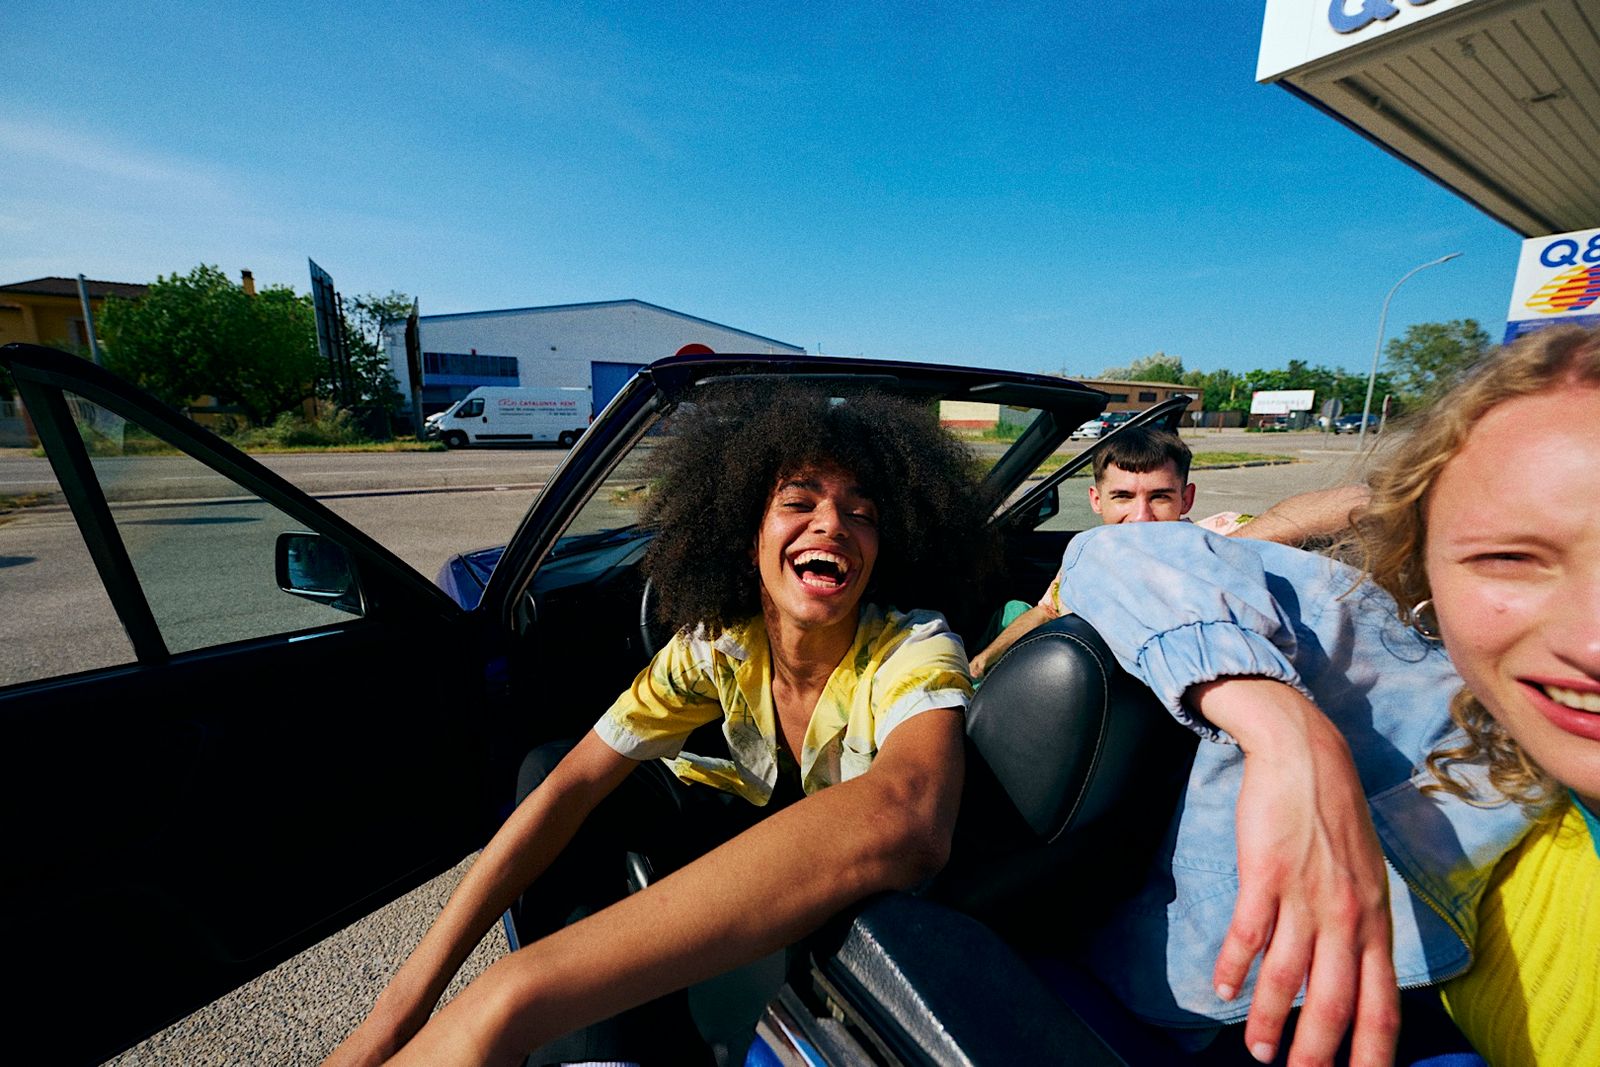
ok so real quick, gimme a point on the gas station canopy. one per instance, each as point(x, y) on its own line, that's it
point(1497, 100)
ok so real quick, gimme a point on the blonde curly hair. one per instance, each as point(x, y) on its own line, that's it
point(1392, 530)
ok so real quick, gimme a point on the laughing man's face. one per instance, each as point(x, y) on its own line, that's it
point(1141, 496)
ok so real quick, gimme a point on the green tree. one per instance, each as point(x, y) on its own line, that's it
point(1158, 367)
point(1220, 390)
point(1433, 356)
point(376, 390)
point(200, 334)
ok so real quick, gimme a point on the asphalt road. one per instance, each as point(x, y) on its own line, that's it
point(205, 556)
point(424, 507)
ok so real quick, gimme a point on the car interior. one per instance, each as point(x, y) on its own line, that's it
point(1074, 771)
point(1072, 767)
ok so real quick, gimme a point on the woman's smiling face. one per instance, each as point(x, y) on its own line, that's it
point(1513, 561)
point(816, 547)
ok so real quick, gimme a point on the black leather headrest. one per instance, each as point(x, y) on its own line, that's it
point(1063, 727)
point(1069, 758)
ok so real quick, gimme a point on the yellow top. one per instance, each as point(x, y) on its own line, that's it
point(899, 665)
point(1532, 996)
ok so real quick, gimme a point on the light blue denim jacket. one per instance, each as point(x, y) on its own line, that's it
point(1180, 606)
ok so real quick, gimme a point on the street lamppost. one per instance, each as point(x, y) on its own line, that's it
point(1372, 378)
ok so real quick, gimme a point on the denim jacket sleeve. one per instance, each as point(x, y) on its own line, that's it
point(1179, 606)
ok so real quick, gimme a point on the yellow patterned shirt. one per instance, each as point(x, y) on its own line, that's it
point(1532, 996)
point(898, 666)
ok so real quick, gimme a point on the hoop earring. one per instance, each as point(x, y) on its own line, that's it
point(1421, 618)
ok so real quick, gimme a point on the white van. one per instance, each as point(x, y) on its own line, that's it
point(493, 414)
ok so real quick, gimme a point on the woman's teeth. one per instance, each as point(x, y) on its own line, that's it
point(1573, 699)
point(822, 557)
point(822, 569)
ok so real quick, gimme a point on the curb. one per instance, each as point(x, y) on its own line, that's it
point(209, 501)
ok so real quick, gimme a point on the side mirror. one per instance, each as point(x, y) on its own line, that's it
point(311, 566)
point(1048, 507)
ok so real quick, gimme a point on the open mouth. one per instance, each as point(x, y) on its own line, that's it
point(821, 570)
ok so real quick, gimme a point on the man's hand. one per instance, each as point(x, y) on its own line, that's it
point(1031, 619)
point(1313, 899)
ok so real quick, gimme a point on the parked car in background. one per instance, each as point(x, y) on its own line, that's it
point(1102, 424)
point(1352, 423)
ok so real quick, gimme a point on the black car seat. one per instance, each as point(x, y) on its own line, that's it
point(1073, 773)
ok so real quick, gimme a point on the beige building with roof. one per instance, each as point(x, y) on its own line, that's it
point(47, 311)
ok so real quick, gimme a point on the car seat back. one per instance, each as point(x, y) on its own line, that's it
point(1074, 771)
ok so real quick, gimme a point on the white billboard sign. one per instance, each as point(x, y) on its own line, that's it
point(1558, 280)
point(1295, 32)
point(1281, 401)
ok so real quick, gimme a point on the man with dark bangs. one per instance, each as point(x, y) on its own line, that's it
point(1141, 474)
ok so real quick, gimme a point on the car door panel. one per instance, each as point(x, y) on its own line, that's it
point(175, 813)
point(176, 826)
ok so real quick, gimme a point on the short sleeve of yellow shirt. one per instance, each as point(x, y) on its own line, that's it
point(899, 665)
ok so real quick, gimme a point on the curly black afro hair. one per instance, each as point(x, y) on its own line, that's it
point(712, 478)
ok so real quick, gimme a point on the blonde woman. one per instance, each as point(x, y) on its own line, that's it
point(1402, 774)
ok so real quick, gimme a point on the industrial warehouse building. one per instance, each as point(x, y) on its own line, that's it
point(599, 345)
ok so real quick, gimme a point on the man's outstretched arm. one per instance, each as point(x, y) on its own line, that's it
point(1031, 619)
point(1307, 517)
point(771, 885)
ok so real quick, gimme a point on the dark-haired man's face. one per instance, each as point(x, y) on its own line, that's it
point(1141, 496)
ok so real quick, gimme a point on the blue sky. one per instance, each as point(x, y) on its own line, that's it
point(1045, 187)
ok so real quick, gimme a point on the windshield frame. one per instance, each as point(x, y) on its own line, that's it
point(657, 389)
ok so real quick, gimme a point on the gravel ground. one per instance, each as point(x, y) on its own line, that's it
point(297, 1013)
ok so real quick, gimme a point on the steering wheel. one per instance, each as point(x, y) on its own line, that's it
point(650, 636)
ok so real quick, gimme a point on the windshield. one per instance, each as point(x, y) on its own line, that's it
point(991, 432)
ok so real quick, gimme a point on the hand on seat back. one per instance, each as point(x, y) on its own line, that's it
point(1313, 889)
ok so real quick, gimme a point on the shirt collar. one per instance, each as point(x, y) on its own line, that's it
point(1590, 820)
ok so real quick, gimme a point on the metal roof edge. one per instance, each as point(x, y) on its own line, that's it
point(1426, 172)
point(585, 305)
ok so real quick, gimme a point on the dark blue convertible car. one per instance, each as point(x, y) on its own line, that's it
point(265, 765)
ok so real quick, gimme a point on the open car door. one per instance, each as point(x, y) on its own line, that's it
point(246, 769)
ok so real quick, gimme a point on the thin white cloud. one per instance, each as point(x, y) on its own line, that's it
point(75, 200)
point(23, 141)
point(592, 94)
